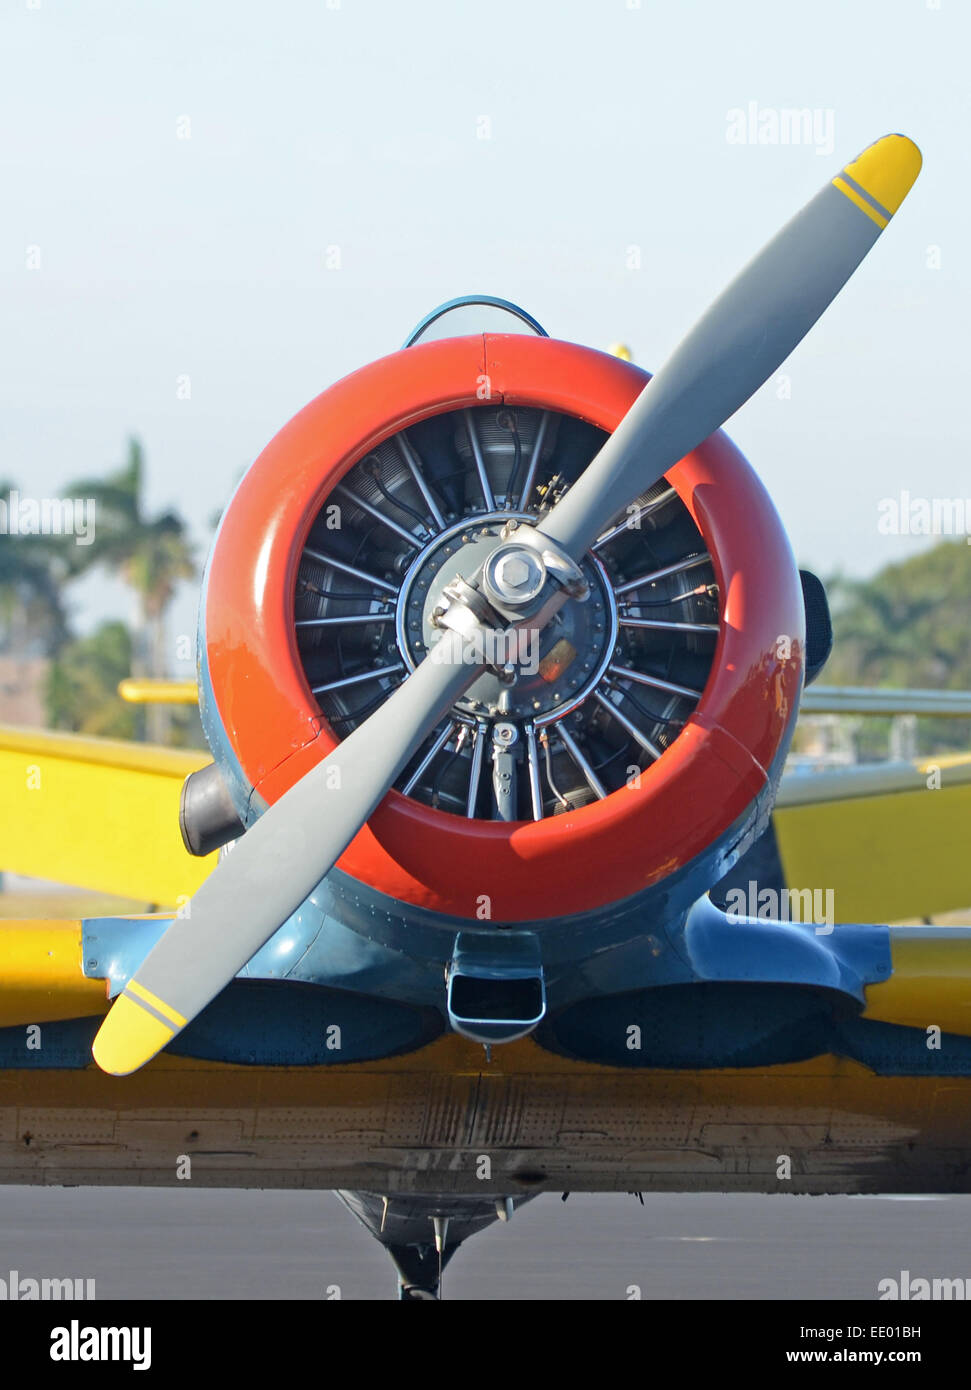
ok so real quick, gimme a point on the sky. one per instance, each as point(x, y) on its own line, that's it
point(213, 210)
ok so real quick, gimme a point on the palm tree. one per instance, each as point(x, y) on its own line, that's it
point(152, 554)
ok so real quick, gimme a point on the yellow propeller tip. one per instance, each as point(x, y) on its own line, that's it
point(621, 350)
point(128, 1038)
point(886, 171)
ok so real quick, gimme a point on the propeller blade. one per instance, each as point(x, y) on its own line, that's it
point(276, 865)
point(744, 337)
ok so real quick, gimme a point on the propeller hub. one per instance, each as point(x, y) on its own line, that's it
point(538, 674)
point(513, 574)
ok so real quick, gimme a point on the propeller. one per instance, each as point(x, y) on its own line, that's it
point(742, 339)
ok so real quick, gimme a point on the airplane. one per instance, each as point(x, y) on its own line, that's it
point(501, 650)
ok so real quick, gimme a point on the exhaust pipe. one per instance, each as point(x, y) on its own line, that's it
point(207, 817)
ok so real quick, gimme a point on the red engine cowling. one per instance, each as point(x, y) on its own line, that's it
point(603, 843)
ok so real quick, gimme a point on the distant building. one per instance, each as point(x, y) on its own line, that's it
point(825, 740)
point(22, 689)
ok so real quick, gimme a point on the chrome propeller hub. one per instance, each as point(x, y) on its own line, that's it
point(536, 674)
point(513, 574)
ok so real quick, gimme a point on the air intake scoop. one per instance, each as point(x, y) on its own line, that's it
point(496, 991)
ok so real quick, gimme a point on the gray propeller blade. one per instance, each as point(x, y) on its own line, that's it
point(743, 338)
point(276, 865)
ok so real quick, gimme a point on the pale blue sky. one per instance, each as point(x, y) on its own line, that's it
point(359, 125)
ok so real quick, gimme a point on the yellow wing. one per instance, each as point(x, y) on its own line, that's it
point(889, 840)
point(97, 814)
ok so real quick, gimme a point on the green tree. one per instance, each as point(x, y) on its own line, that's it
point(82, 685)
point(907, 627)
point(151, 553)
